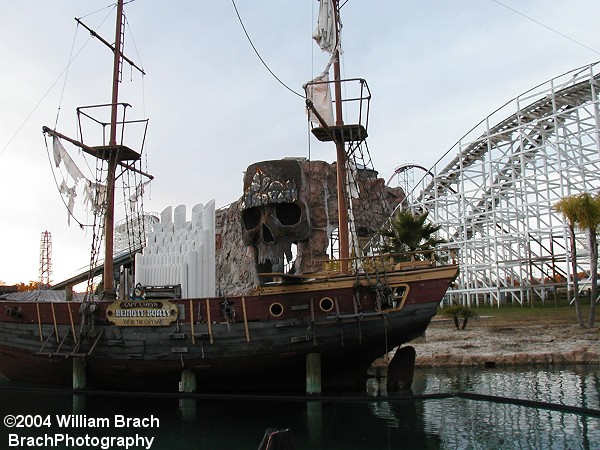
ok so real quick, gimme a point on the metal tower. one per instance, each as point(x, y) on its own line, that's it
point(494, 191)
point(45, 260)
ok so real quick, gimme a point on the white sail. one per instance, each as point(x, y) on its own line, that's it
point(319, 94)
point(325, 34)
point(61, 156)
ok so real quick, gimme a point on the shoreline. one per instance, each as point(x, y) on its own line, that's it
point(486, 343)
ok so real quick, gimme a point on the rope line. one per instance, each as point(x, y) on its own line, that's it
point(258, 54)
point(64, 87)
point(45, 94)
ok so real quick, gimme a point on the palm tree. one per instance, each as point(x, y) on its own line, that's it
point(589, 219)
point(569, 208)
point(408, 232)
point(583, 211)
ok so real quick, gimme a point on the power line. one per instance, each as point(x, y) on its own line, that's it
point(64, 72)
point(546, 26)
point(258, 54)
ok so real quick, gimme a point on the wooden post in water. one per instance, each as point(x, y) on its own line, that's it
point(79, 374)
point(313, 374)
point(188, 382)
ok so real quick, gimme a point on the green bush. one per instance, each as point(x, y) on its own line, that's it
point(457, 311)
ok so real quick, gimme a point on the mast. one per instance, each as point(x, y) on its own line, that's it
point(343, 234)
point(116, 153)
point(328, 126)
point(109, 218)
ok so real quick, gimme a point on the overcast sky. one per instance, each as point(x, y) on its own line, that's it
point(435, 69)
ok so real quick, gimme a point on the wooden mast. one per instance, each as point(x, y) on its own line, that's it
point(343, 234)
point(115, 153)
point(108, 277)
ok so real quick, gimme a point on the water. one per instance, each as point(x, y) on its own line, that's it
point(345, 422)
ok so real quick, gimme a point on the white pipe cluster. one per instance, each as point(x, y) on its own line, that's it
point(181, 252)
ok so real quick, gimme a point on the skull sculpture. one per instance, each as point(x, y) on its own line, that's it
point(273, 216)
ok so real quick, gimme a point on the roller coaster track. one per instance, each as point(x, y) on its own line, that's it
point(539, 114)
point(494, 198)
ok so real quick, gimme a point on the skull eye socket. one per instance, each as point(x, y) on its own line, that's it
point(288, 213)
point(251, 218)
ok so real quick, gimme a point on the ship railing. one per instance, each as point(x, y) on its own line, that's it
point(99, 117)
point(356, 98)
point(393, 261)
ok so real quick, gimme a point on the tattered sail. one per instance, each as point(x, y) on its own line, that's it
point(317, 91)
point(139, 192)
point(61, 156)
point(325, 34)
point(319, 94)
point(70, 193)
point(94, 194)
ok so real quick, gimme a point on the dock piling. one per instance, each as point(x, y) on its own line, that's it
point(79, 373)
point(313, 374)
point(188, 382)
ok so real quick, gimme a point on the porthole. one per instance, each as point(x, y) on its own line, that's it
point(276, 309)
point(326, 304)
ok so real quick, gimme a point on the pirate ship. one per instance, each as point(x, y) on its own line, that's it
point(297, 319)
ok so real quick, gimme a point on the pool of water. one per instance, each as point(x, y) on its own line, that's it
point(433, 416)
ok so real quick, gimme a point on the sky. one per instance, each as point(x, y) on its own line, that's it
point(434, 68)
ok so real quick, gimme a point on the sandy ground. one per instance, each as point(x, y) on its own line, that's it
point(485, 342)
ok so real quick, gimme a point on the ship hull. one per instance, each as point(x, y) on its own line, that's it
point(255, 343)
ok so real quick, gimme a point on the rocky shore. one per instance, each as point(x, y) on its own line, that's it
point(489, 343)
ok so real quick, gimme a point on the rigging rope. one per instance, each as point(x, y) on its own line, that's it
point(134, 46)
point(12, 138)
point(98, 229)
point(258, 54)
point(134, 211)
point(62, 93)
point(370, 208)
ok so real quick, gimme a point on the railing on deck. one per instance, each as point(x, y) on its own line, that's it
point(393, 261)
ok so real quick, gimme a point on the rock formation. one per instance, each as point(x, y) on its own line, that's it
point(291, 202)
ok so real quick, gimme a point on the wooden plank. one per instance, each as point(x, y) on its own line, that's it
point(72, 323)
point(208, 321)
point(54, 320)
point(192, 321)
point(245, 319)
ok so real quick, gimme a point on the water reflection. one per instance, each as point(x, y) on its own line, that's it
point(505, 425)
point(378, 421)
point(573, 385)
